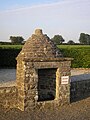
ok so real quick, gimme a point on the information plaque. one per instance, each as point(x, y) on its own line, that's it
point(64, 80)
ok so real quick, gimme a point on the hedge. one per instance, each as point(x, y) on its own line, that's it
point(80, 53)
point(8, 55)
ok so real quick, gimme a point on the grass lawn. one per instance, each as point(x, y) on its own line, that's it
point(11, 46)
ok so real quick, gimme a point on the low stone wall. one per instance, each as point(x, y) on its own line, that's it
point(80, 90)
point(8, 97)
point(78, 71)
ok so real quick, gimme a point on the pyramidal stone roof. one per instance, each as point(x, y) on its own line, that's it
point(39, 46)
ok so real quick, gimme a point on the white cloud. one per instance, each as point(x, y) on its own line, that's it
point(68, 17)
point(54, 3)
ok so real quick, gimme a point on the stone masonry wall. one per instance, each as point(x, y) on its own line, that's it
point(39, 52)
point(25, 94)
point(30, 92)
point(82, 70)
point(20, 84)
point(8, 97)
point(80, 89)
point(63, 91)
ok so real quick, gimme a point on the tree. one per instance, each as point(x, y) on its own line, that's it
point(71, 42)
point(58, 39)
point(84, 39)
point(16, 40)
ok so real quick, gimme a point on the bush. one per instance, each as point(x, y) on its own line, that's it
point(8, 56)
point(80, 53)
point(5, 43)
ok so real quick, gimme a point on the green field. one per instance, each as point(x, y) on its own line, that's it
point(80, 53)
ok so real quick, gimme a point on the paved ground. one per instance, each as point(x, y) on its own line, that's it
point(76, 111)
point(7, 75)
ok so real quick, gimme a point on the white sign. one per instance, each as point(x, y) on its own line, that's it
point(64, 80)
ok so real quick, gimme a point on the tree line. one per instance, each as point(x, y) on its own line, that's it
point(83, 39)
point(58, 39)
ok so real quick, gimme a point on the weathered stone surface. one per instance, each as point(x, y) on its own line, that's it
point(40, 66)
point(39, 46)
point(80, 89)
point(8, 97)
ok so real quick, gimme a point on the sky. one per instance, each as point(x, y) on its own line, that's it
point(68, 18)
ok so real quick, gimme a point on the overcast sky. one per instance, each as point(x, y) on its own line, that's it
point(66, 17)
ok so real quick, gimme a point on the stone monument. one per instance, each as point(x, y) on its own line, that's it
point(42, 74)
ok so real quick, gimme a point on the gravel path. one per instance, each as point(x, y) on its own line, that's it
point(75, 111)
